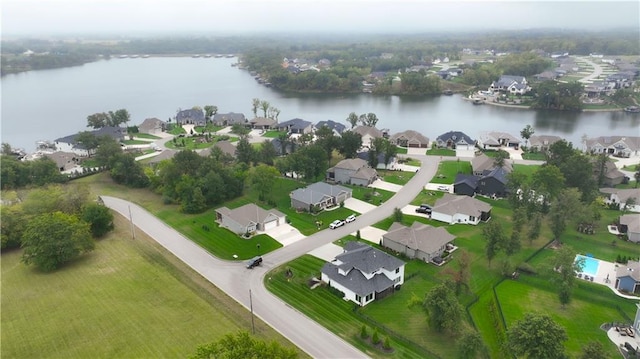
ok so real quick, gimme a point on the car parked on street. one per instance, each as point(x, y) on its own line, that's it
point(350, 219)
point(337, 223)
point(424, 208)
point(254, 262)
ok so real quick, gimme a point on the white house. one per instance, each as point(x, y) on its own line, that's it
point(363, 273)
point(622, 196)
point(510, 84)
point(454, 209)
point(71, 144)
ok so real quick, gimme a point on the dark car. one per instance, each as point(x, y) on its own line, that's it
point(424, 208)
point(254, 262)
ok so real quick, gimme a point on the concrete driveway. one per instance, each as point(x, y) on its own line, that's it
point(466, 153)
point(285, 234)
point(359, 206)
point(328, 252)
point(407, 168)
point(416, 151)
point(434, 187)
point(385, 185)
point(371, 234)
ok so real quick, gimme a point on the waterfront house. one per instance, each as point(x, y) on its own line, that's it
point(71, 144)
point(249, 218)
point(229, 119)
point(263, 123)
point(409, 138)
point(355, 171)
point(319, 195)
point(454, 209)
point(510, 84)
point(336, 127)
point(368, 134)
point(628, 277)
point(296, 126)
point(420, 241)
point(191, 116)
point(495, 140)
point(363, 273)
point(152, 126)
point(455, 139)
point(542, 143)
point(65, 161)
point(620, 146)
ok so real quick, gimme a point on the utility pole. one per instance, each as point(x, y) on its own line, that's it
point(253, 326)
point(133, 231)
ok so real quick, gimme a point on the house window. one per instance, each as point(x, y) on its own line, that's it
point(472, 218)
point(369, 297)
point(397, 270)
point(358, 299)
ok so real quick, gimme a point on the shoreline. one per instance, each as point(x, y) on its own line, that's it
point(522, 107)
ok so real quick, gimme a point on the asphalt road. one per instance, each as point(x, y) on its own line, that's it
point(237, 281)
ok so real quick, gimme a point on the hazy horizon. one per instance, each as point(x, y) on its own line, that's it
point(226, 17)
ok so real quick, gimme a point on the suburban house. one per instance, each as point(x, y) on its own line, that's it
point(296, 125)
point(191, 116)
point(70, 144)
point(336, 127)
point(454, 209)
point(319, 195)
point(353, 171)
point(465, 185)
point(628, 277)
point(393, 161)
point(263, 123)
point(612, 175)
point(368, 134)
point(363, 273)
point(455, 139)
point(543, 142)
point(420, 241)
point(249, 218)
point(228, 119)
point(620, 146)
point(409, 138)
point(225, 146)
point(483, 164)
point(495, 140)
point(152, 126)
point(511, 84)
point(280, 149)
point(630, 225)
point(622, 196)
point(65, 161)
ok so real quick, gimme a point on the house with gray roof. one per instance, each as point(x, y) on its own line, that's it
point(65, 161)
point(263, 123)
point(353, 171)
point(368, 134)
point(71, 144)
point(510, 84)
point(228, 119)
point(409, 138)
point(191, 116)
point(391, 165)
point(543, 142)
point(621, 146)
point(630, 225)
point(319, 195)
point(620, 197)
point(152, 126)
point(226, 147)
point(420, 241)
point(481, 164)
point(465, 184)
point(611, 177)
point(494, 140)
point(336, 127)
point(363, 273)
point(455, 139)
point(249, 218)
point(454, 209)
point(487, 179)
point(628, 277)
point(296, 125)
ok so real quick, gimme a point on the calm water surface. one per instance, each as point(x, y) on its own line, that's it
point(45, 105)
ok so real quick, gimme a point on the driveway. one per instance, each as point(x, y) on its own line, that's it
point(371, 234)
point(327, 252)
point(359, 206)
point(413, 151)
point(434, 187)
point(407, 168)
point(385, 185)
point(285, 234)
point(466, 153)
point(597, 71)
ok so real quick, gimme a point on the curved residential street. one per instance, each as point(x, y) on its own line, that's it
point(235, 280)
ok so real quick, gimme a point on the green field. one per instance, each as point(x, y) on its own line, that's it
point(447, 171)
point(271, 134)
point(441, 152)
point(146, 135)
point(397, 177)
point(537, 156)
point(126, 299)
point(135, 142)
point(190, 143)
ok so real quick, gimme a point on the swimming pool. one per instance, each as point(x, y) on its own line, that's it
point(590, 265)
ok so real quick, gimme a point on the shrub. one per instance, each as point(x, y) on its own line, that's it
point(363, 332)
point(386, 344)
point(375, 339)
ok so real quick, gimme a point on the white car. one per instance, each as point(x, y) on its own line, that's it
point(337, 223)
point(443, 188)
point(350, 219)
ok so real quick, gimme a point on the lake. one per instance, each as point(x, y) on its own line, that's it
point(48, 104)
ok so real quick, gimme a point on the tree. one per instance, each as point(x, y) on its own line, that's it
point(99, 218)
point(6, 148)
point(350, 142)
point(242, 345)
point(461, 276)
point(526, 134)
point(245, 153)
point(125, 170)
point(12, 225)
point(210, 111)
point(390, 151)
point(470, 344)
point(352, 119)
point(593, 350)
point(397, 215)
point(255, 103)
point(536, 336)
point(240, 130)
point(326, 139)
point(107, 150)
point(370, 119)
point(274, 112)
point(88, 140)
point(264, 105)
point(445, 312)
point(262, 178)
point(637, 175)
point(565, 207)
point(53, 239)
point(563, 272)
point(547, 181)
point(512, 244)
point(377, 148)
point(495, 237)
point(98, 120)
point(500, 158)
point(43, 171)
point(118, 117)
point(267, 152)
point(535, 227)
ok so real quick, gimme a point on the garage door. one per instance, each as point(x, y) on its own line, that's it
point(270, 225)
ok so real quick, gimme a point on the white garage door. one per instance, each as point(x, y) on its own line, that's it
point(270, 225)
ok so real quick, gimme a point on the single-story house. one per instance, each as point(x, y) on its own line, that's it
point(336, 127)
point(454, 209)
point(152, 126)
point(363, 273)
point(455, 139)
point(612, 175)
point(249, 218)
point(393, 161)
point(622, 196)
point(191, 116)
point(296, 125)
point(420, 241)
point(263, 123)
point(64, 160)
point(70, 143)
point(630, 225)
point(465, 185)
point(543, 142)
point(628, 277)
point(409, 138)
point(353, 171)
point(229, 119)
point(320, 195)
point(510, 84)
point(225, 146)
point(621, 146)
point(495, 140)
point(368, 134)
point(483, 164)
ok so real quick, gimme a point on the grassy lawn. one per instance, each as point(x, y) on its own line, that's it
point(536, 156)
point(374, 196)
point(89, 163)
point(441, 152)
point(190, 143)
point(176, 130)
point(490, 153)
point(208, 128)
point(447, 171)
point(146, 135)
point(401, 150)
point(271, 134)
point(413, 162)
point(396, 177)
point(127, 298)
point(135, 142)
point(526, 169)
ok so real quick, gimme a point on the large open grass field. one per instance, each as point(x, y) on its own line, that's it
point(126, 299)
point(447, 171)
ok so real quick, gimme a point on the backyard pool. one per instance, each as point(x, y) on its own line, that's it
point(590, 265)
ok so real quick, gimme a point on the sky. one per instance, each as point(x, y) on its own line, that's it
point(148, 17)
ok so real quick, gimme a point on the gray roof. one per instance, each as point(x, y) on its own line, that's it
point(117, 133)
point(351, 164)
point(508, 80)
point(632, 269)
point(411, 136)
point(231, 118)
point(499, 173)
point(190, 115)
point(623, 194)
point(249, 213)
point(455, 137)
point(484, 163)
point(630, 142)
point(150, 124)
point(336, 126)
point(359, 258)
point(632, 221)
point(494, 137)
point(295, 124)
point(263, 121)
point(316, 192)
point(367, 130)
point(451, 204)
point(419, 236)
point(64, 160)
point(164, 155)
point(470, 180)
point(543, 140)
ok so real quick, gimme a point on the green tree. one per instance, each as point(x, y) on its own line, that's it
point(99, 218)
point(327, 140)
point(397, 215)
point(564, 208)
point(255, 104)
point(535, 227)
point(240, 130)
point(377, 148)
point(547, 181)
point(500, 158)
point(563, 272)
point(443, 308)
point(264, 105)
point(350, 142)
point(495, 237)
point(390, 151)
point(262, 178)
point(98, 120)
point(125, 170)
point(245, 153)
point(375, 338)
point(88, 140)
point(470, 344)
point(12, 225)
point(461, 276)
point(512, 244)
point(526, 134)
point(43, 171)
point(210, 111)
point(593, 350)
point(352, 119)
point(119, 117)
point(369, 119)
point(6, 149)
point(242, 345)
point(536, 336)
point(53, 239)
point(107, 151)
point(267, 153)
